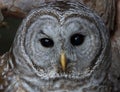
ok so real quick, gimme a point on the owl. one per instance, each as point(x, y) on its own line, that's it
point(59, 47)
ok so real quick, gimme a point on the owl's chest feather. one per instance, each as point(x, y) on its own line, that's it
point(27, 84)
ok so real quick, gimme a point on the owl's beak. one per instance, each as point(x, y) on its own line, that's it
point(63, 60)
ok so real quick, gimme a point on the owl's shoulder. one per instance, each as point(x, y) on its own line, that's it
point(3, 62)
point(4, 69)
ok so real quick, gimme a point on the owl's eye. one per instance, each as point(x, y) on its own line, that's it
point(46, 42)
point(77, 39)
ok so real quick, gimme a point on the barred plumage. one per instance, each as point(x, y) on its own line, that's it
point(33, 63)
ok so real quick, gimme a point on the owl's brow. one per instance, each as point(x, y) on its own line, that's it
point(42, 32)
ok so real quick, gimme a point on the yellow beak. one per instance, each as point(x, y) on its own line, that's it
point(63, 60)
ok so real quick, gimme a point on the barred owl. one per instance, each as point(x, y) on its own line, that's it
point(59, 47)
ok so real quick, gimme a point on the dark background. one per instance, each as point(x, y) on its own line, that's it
point(8, 29)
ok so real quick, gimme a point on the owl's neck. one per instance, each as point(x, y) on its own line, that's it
point(35, 84)
point(64, 84)
point(25, 76)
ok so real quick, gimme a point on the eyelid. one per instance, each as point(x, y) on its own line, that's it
point(79, 32)
point(43, 35)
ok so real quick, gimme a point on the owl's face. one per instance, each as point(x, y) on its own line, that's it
point(63, 43)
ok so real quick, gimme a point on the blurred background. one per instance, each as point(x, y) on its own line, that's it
point(8, 28)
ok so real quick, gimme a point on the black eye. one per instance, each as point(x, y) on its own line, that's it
point(77, 39)
point(46, 42)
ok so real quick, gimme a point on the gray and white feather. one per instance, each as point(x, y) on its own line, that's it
point(59, 47)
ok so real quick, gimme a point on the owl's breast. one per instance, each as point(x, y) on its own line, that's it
point(58, 85)
point(35, 84)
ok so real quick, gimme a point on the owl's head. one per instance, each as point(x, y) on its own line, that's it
point(62, 39)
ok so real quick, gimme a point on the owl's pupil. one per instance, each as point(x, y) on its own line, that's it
point(46, 42)
point(77, 39)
